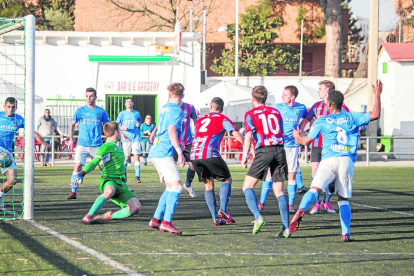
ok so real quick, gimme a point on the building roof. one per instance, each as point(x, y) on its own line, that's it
point(399, 51)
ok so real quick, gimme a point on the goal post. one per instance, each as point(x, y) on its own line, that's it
point(29, 47)
point(17, 80)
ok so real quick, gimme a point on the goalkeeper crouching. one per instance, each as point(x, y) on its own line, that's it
point(112, 184)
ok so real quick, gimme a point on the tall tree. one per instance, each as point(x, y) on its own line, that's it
point(162, 15)
point(333, 29)
point(258, 54)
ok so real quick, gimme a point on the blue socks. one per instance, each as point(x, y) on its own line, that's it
point(137, 166)
point(251, 201)
point(266, 188)
point(190, 177)
point(308, 199)
point(299, 180)
point(225, 192)
point(284, 211)
point(74, 189)
point(345, 215)
point(292, 191)
point(172, 201)
point(161, 205)
point(211, 202)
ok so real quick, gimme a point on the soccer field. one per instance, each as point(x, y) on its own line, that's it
point(57, 243)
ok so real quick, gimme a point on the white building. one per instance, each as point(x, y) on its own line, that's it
point(134, 64)
point(396, 70)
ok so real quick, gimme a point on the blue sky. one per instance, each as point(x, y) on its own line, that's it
point(360, 8)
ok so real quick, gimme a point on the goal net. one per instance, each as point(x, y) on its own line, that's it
point(17, 42)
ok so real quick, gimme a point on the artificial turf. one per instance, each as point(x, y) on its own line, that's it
point(382, 226)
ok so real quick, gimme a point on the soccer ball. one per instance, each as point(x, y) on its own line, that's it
point(6, 159)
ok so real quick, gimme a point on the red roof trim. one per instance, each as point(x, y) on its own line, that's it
point(400, 51)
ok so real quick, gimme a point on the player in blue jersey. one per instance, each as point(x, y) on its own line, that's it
point(187, 139)
point(207, 161)
point(90, 118)
point(292, 112)
point(129, 121)
point(340, 132)
point(161, 155)
point(10, 123)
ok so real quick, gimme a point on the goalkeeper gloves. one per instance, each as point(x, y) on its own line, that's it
point(77, 179)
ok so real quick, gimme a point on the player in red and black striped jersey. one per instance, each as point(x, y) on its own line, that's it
point(264, 125)
point(186, 139)
point(317, 111)
point(207, 161)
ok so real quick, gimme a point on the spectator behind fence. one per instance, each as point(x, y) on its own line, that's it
point(146, 129)
point(45, 127)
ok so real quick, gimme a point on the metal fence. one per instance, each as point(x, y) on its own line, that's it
point(228, 152)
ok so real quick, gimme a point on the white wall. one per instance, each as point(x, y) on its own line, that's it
point(397, 102)
point(63, 68)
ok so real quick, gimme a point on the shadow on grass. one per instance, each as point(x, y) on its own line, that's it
point(40, 250)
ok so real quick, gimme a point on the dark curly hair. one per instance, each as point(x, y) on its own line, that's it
point(336, 98)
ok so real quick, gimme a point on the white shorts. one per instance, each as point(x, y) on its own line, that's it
point(166, 168)
point(335, 169)
point(12, 166)
point(131, 147)
point(292, 155)
point(82, 153)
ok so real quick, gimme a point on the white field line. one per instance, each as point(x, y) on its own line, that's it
point(88, 250)
point(383, 209)
point(262, 254)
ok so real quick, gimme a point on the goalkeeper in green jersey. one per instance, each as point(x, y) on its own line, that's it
point(112, 184)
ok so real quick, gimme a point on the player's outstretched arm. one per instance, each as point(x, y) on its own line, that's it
point(304, 140)
point(237, 136)
point(376, 111)
point(172, 133)
point(40, 140)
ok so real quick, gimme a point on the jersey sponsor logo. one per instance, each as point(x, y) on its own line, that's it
point(340, 148)
point(336, 121)
point(275, 140)
point(258, 111)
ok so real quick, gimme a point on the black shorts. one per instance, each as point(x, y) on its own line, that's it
point(316, 154)
point(211, 168)
point(273, 157)
point(186, 152)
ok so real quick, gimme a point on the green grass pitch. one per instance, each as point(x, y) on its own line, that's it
point(384, 239)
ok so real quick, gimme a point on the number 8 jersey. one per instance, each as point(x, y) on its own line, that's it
point(209, 132)
point(340, 133)
point(265, 123)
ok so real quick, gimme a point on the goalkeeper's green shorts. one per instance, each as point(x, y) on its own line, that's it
point(122, 193)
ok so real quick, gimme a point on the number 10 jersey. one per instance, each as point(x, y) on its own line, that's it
point(265, 123)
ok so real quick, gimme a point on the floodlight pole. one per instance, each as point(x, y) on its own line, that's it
point(301, 51)
point(372, 128)
point(236, 53)
point(29, 45)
